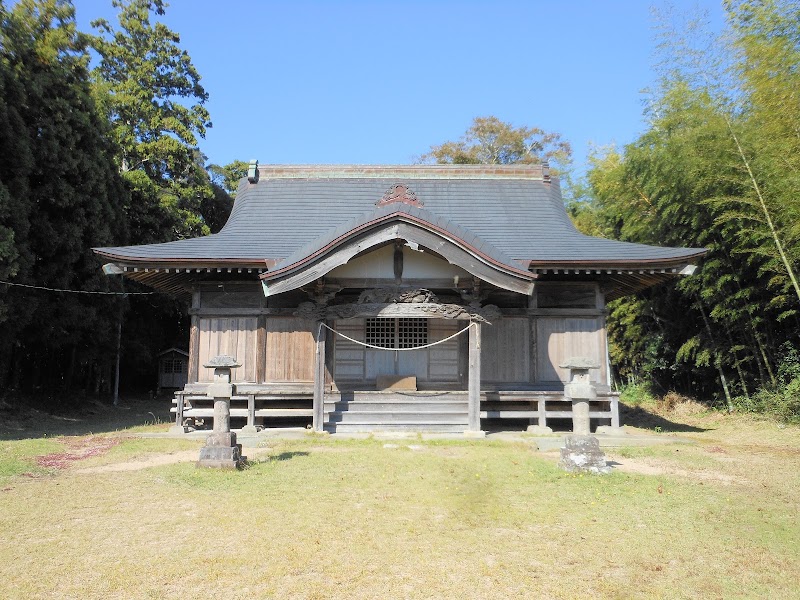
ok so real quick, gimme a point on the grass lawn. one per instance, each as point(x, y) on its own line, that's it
point(99, 517)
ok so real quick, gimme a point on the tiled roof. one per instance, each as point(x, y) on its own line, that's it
point(517, 212)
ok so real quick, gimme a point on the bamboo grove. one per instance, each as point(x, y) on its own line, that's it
point(718, 167)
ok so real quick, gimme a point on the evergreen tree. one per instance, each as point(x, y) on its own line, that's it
point(61, 196)
point(152, 94)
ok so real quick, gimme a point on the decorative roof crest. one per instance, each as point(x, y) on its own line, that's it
point(399, 192)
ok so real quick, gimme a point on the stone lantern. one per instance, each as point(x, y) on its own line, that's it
point(580, 391)
point(221, 450)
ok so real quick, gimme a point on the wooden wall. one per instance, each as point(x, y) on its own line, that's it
point(523, 348)
point(506, 350)
point(563, 320)
point(561, 338)
point(235, 320)
point(232, 336)
point(290, 350)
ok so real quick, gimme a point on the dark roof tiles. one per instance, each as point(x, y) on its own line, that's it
point(523, 219)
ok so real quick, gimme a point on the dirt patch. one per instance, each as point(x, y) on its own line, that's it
point(77, 449)
point(157, 460)
point(656, 467)
point(144, 463)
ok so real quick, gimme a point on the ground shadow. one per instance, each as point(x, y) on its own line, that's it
point(267, 459)
point(636, 416)
point(93, 416)
point(90, 416)
point(287, 456)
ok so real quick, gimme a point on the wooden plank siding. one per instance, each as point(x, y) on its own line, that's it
point(559, 338)
point(506, 351)
point(443, 359)
point(235, 337)
point(290, 350)
point(349, 362)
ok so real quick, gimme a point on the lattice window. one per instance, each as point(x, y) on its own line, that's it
point(397, 333)
point(412, 332)
point(173, 365)
point(381, 332)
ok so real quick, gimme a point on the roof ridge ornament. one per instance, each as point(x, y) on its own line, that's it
point(252, 171)
point(400, 192)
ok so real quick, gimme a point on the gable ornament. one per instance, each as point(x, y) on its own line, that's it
point(399, 192)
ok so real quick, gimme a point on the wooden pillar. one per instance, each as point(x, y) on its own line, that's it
point(474, 378)
point(261, 350)
point(179, 404)
point(542, 412)
point(319, 377)
point(193, 374)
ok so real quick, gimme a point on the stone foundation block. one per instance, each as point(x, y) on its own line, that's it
point(582, 454)
point(225, 439)
point(608, 430)
point(221, 457)
point(539, 430)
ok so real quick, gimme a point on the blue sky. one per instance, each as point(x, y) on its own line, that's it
point(380, 82)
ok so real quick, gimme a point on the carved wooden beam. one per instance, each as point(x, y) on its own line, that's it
point(423, 310)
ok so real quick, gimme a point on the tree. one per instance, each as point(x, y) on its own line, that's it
point(228, 177)
point(152, 95)
point(494, 142)
point(717, 168)
point(224, 183)
point(766, 42)
point(60, 194)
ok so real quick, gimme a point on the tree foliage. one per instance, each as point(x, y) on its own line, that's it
point(92, 159)
point(494, 142)
point(60, 194)
point(151, 92)
point(715, 169)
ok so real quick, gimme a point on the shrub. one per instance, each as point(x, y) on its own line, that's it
point(637, 394)
point(782, 401)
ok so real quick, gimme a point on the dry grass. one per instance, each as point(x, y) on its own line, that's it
point(318, 518)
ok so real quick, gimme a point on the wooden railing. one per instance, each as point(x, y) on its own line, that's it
point(273, 408)
point(539, 406)
point(268, 409)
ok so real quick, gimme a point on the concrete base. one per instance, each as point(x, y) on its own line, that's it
point(539, 430)
point(221, 452)
point(249, 429)
point(391, 435)
point(177, 429)
point(475, 434)
point(608, 430)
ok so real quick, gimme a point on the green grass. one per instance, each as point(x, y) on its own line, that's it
point(324, 518)
point(17, 458)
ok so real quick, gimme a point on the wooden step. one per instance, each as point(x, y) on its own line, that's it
point(395, 418)
point(394, 407)
point(376, 427)
point(242, 412)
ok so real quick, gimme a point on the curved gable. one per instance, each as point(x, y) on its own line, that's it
point(398, 222)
